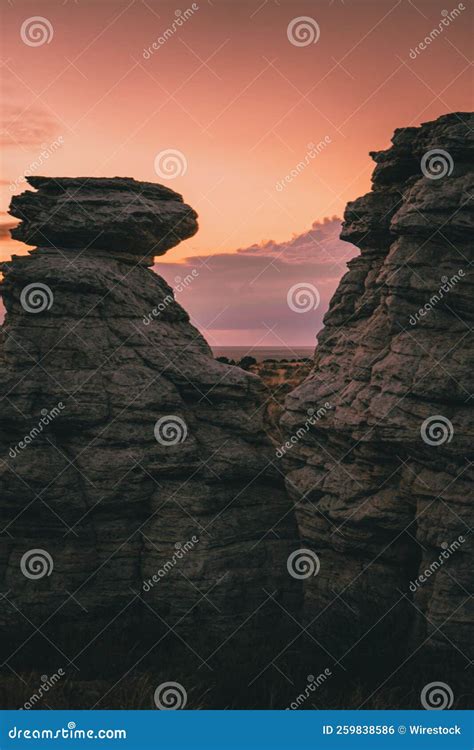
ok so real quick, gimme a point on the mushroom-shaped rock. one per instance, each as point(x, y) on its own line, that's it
point(117, 214)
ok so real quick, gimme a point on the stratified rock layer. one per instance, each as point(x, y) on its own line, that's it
point(379, 503)
point(117, 214)
point(151, 488)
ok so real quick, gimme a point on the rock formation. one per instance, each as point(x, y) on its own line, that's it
point(137, 482)
point(381, 481)
point(120, 215)
point(139, 491)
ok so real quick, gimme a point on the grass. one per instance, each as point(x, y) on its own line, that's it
point(110, 678)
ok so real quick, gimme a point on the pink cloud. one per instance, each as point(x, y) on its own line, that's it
point(27, 129)
point(241, 298)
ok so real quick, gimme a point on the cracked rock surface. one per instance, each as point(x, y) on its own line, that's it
point(119, 214)
point(382, 481)
point(151, 488)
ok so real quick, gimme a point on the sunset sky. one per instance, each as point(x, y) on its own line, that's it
point(230, 91)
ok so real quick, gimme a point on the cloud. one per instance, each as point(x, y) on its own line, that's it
point(241, 298)
point(29, 128)
point(322, 238)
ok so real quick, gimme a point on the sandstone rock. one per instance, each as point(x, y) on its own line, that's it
point(151, 488)
point(119, 215)
point(381, 482)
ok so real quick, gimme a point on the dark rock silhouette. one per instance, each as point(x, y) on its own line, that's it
point(381, 482)
point(134, 464)
point(120, 215)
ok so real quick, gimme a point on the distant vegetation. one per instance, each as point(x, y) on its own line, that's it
point(245, 363)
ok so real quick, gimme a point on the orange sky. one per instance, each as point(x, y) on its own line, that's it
point(230, 92)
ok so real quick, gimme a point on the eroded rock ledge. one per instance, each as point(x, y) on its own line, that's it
point(375, 499)
point(119, 214)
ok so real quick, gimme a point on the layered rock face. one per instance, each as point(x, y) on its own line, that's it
point(137, 482)
point(120, 215)
point(381, 480)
